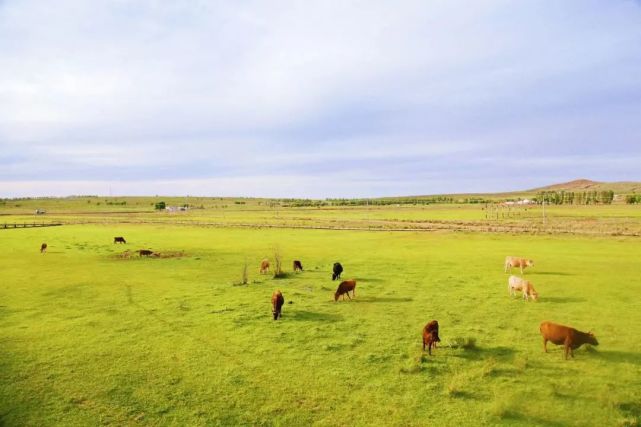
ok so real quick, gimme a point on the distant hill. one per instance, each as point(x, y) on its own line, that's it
point(589, 185)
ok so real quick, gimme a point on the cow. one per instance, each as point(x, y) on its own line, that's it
point(344, 288)
point(430, 336)
point(119, 240)
point(511, 262)
point(337, 270)
point(515, 283)
point(145, 252)
point(277, 304)
point(569, 337)
point(298, 266)
point(43, 248)
point(264, 266)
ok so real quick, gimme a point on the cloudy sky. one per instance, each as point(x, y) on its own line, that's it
point(316, 98)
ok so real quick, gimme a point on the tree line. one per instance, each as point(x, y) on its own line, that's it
point(575, 198)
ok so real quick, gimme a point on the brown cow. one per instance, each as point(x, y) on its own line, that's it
point(277, 304)
point(145, 252)
point(430, 336)
point(344, 288)
point(511, 262)
point(264, 266)
point(298, 266)
point(569, 337)
point(119, 240)
point(43, 248)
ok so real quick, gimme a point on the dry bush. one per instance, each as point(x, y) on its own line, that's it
point(278, 262)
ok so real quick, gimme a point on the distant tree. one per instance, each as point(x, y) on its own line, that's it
point(160, 206)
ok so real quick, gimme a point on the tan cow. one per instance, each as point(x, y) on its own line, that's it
point(512, 261)
point(264, 266)
point(515, 283)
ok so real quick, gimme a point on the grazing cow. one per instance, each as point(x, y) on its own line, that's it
point(515, 283)
point(43, 248)
point(298, 266)
point(337, 270)
point(119, 240)
point(264, 266)
point(277, 304)
point(145, 252)
point(511, 262)
point(344, 288)
point(430, 336)
point(569, 337)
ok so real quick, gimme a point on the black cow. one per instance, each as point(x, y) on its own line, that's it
point(298, 266)
point(119, 240)
point(338, 269)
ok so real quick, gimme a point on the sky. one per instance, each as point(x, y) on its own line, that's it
point(316, 98)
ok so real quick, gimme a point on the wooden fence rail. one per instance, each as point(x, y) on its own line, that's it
point(7, 226)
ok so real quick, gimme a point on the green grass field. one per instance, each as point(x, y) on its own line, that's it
point(88, 337)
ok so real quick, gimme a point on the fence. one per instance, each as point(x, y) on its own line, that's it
point(28, 225)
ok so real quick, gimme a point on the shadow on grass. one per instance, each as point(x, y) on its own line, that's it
point(383, 299)
point(480, 353)
point(514, 415)
point(370, 280)
point(617, 356)
point(548, 273)
point(560, 300)
point(312, 316)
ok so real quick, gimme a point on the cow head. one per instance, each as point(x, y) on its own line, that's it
point(530, 263)
point(592, 339)
point(276, 313)
point(336, 295)
point(534, 295)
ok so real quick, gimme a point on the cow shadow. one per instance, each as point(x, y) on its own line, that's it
point(560, 300)
point(372, 280)
point(614, 356)
point(547, 273)
point(312, 316)
point(382, 299)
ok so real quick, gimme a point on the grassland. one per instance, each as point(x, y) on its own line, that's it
point(88, 337)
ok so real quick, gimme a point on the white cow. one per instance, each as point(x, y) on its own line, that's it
point(516, 283)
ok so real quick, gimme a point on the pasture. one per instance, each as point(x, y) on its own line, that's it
point(88, 337)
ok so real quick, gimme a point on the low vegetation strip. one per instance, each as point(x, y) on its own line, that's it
point(567, 226)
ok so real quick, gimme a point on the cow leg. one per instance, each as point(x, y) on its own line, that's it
point(423, 344)
point(545, 345)
point(429, 348)
point(567, 349)
point(347, 293)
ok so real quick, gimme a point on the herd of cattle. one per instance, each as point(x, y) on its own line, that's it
point(569, 337)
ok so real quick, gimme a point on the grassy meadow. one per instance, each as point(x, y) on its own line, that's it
point(88, 337)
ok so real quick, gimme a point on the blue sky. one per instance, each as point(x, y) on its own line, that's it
point(316, 98)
